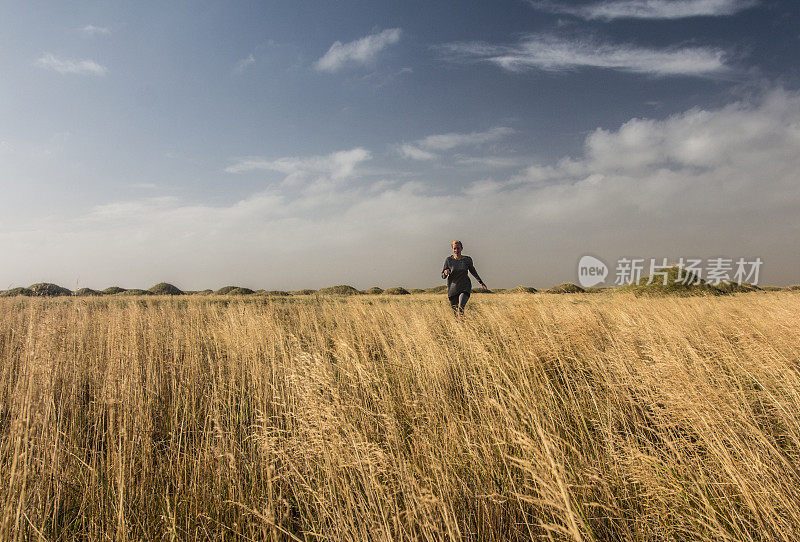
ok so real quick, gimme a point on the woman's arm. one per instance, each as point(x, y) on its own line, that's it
point(445, 269)
point(475, 273)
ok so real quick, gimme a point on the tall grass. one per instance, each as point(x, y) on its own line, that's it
point(373, 418)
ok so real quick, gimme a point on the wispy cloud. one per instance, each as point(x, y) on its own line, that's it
point(65, 65)
point(359, 52)
point(92, 30)
point(243, 64)
point(426, 148)
point(337, 166)
point(648, 9)
point(550, 53)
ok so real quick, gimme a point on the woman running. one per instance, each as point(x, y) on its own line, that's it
point(456, 270)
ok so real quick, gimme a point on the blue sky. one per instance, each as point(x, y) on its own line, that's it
point(289, 145)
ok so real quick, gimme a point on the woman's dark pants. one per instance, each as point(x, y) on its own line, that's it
point(458, 301)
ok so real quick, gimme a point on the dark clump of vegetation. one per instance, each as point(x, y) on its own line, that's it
point(436, 289)
point(674, 281)
point(773, 288)
point(374, 291)
point(86, 292)
point(134, 291)
point(46, 289)
point(240, 291)
point(342, 289)
point(417, 290)
point(481, 291)
point(397, 290)
point(113, 290)
point(280, 293)
point(521, 290)
point(17, 291)
point(598, 289)
point(306, 291)
point(165, 288)
point(566, 288)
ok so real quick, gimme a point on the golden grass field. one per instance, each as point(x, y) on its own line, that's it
point(584, 417)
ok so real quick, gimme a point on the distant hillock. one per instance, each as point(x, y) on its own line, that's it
point(342, 289)
point(566, 288)
point(133, 292)
point(240, 291)
point(374, 291)
point(521, 290)
point(165, 288)
point(225, 290)
point(17, 291)
point(396, 290)
point(736, 288)
point(417, 291)
point(679, 282)
point(86, 292)
point(46, 289)
point(436, 289)
point(306, 291)
point(113, 290)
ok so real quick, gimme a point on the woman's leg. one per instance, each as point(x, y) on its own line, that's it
point(462, 301)
point(454, 303)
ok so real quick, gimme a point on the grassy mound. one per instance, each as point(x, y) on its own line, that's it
point(165, 288)
point(436, 289)
point(199, 292)
point(134, 291)
point(676, 284)
point(225, 290)
point(521, 290)
point(86, 292)
point(481, 291)
point(736, 288)
point(342, 289)
point(46, 289)
point(374, 291)
point(280, 293)
point(113, 290)
point(794, 287)
point(417, 290)
point(240, 291)
point(306, 291)
point(17, 291)
point(773, 288)
point(396, 290)
point(566, 288)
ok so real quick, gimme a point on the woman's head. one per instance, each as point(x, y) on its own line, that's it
point(457, 247)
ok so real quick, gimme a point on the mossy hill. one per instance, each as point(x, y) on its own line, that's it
point(112, 290)
point(396, 290)
point(566, 288)
point(521, 290)
point(165, 288)
point(374, 291)
point(341, 289)
point(86, 292)
point(673, 281)
point(46, 289)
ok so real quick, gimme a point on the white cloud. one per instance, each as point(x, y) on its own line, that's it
point(62, 65)
point(359, 52)
point(423, 149)
point(243, 64)
point(92, 30)
point(415, 153)
point(703, 183)
point(550, 53)
point(648, 9)
point(338, 165)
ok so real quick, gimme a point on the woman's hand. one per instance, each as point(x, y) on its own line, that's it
point(446, 272)
point(484, 287)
